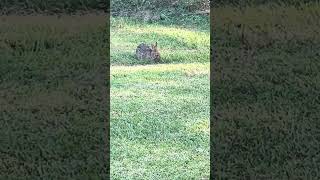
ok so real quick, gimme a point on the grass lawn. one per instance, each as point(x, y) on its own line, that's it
point(160, 112)
point(265, 89)
point(52, 89)
point(266, 92)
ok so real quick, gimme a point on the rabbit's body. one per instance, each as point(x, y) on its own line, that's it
point(144, 51)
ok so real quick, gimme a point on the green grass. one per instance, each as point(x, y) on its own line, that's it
point(177, 44)
point(265, 90)
point(266, 93)
point(57, 6)
point(51, 88)
point(159, 112)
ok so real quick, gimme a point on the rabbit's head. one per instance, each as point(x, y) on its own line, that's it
point(155, 55)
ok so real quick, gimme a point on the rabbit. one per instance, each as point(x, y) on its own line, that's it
point(143, 51)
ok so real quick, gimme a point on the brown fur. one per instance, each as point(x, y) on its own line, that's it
point(143, 51)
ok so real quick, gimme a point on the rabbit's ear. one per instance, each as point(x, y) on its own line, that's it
point(156, 44)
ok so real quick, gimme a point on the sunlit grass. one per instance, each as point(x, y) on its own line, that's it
point(177, 44)
point(159, 112)
point(160, 121)
point(190, 38)
point(201, 126)
point(161, 68)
